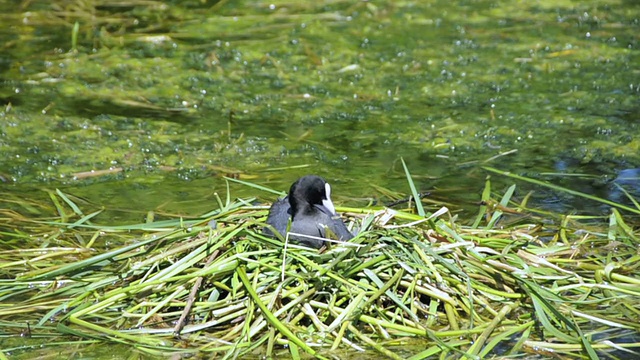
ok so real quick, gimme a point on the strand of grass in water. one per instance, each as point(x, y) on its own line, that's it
point(540, 303)
point(255, 186)
point(627, 230)
point(562, 189)
point(504, 336)
point(59, 252)
point(117, 294)
point(433, 350)
point(372, 343)
point(414, 191)
point(504, 202)
point(628, 195)
point(99, 258)
point(486, 197)
point(49, 344)
point(578, 347)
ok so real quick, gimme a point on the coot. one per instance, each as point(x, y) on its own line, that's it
point(311, 211)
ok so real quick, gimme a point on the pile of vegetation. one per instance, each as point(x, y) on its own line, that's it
point(410, 285)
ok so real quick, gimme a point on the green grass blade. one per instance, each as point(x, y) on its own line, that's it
point(284, 330)
point(71, 204)
point(486, 197)
point(503, 202)
point(563, 189)
point(256, 186)
point(629, 196)
point(414, 191)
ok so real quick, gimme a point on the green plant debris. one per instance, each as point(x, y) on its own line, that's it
point(216, 285)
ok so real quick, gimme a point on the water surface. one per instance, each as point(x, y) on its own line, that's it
point(166, 98)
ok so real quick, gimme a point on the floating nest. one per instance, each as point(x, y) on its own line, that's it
point(409, 285)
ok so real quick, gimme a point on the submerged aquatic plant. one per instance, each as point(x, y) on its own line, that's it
point(510, 283)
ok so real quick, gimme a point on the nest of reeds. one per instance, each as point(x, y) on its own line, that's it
point(408, 286)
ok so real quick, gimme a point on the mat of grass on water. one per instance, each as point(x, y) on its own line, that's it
point(413, 284)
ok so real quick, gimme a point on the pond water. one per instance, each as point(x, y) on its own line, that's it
point(162, 99)
point(146, 105)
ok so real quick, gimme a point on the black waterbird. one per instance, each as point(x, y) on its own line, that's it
point(313, 216)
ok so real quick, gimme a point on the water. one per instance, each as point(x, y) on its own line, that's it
point(172, 97)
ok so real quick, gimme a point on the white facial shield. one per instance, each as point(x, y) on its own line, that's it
point(327, 203)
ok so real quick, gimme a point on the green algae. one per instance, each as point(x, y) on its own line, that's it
point(157, 101)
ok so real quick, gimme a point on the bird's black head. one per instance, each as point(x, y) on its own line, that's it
point(308, 191)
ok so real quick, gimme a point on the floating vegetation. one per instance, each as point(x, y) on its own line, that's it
point(408, 286)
